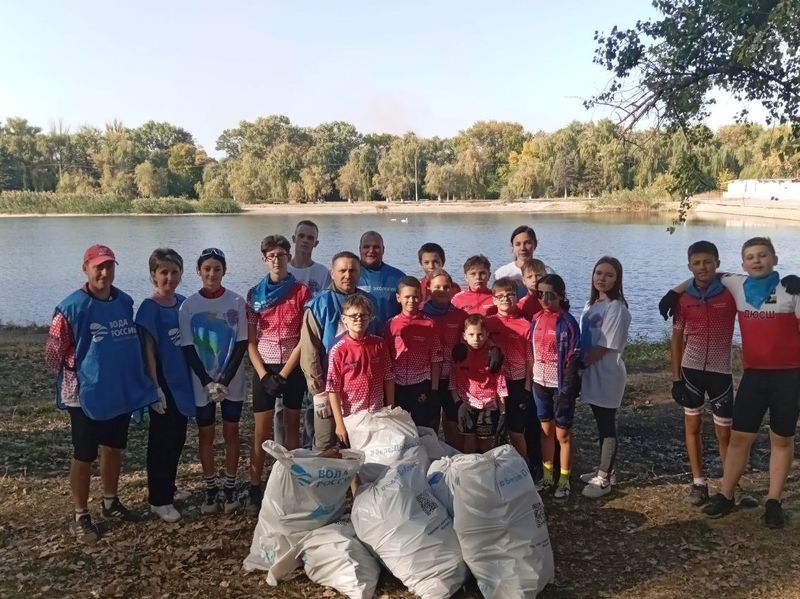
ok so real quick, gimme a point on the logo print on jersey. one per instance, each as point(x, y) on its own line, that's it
point(175, 336)
point(98, 332)
point(300, 475)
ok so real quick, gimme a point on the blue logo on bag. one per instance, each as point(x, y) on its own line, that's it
point(435, 478)
point(301, 476)
point(322, 512)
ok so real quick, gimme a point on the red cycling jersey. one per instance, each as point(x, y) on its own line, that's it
point(451, 328)
point(475, 302)
point(512, 334)
point(454, 288)
point(414, 345)
point(545, 349)
point(529, 306)
point(278, 327)
point(707, 326)
point(357, 370)
point(474, 383)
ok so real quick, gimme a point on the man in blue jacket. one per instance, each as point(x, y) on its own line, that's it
point(378, 278)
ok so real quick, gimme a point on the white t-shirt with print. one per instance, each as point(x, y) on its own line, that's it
point(317, 277)
point(605, 323)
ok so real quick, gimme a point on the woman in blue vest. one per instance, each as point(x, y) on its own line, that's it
point(94, 349)
point(159, 330)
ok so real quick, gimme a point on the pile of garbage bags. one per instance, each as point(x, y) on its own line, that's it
point(429, 515)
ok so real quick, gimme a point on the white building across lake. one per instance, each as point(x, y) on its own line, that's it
point(780, 190)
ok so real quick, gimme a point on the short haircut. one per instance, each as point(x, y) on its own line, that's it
point(160, 255)
point(344, 254)
point(440, 272)
point(409, 282)
point(753, 241)
point(703, 247)
point(475, 320)
point(506, 284)
point(524, 229)
point(215, 255)
point(533, 265)
point(271, 242)
point(430, 248)
point(370, 234)
point(307, 223)
point(359, 302)
point(476, 261)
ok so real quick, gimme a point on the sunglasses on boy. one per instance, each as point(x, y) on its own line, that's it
point(212, 252)
point(549, 296)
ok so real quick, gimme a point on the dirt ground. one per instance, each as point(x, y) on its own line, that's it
point(642, 541)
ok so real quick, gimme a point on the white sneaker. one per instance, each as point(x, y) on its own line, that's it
point(597, 487)
point(586, 478)
point(181, 494)
point(562, 491)
point(167, 513)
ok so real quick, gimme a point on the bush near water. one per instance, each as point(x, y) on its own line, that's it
point(48, 202)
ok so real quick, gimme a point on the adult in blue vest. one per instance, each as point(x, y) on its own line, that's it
point(322, 327)
point(94, 348)
point(378, 278)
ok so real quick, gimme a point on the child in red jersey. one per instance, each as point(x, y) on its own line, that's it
point(431, 258)
point(478, 392)
point(450, 326)
point(414, 347)
point(533, 269)
point(512, 334)
point(556, 337)
point(359, 367)
point(478, 298)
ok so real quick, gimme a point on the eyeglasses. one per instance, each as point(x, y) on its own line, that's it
point(276, 257)
point(358, 316)
point(549, 296)
point(212, 252)
point(506, 297)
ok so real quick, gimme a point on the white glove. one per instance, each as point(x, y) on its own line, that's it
point(322, 406)
point(464, 417)
point(160, 406)
point(216, 392)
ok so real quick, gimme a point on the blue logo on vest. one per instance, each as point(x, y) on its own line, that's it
point(175, 336)
point(98, 332)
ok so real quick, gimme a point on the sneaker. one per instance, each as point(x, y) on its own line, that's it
point(119, 511)
point(562, 491)
point(597, 487)
point(719, 506)
point(774, 516)
point(587, 478)
point(698, 495)
point(744, 499)
point(167, 513)
point(211, 504)
point(254, 497)
point(544, 484)
point(181, 494)
point(231, 503)
point(85, 530)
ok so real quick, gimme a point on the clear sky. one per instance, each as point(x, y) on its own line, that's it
point(431, 67)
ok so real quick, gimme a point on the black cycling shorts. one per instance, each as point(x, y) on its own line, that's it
point(420, 401)
point(718, 387)
point(776, 391)
point(292, 393)
point(519, 405)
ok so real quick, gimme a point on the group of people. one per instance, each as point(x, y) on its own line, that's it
point(483, 364)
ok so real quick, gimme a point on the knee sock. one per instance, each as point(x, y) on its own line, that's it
point(547, 471)
point(211, 485)
point(608, 454)
point(563, 479)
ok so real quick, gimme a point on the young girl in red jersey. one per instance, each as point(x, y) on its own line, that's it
point(274, 315)
point(478, 392)
point(450, 326)
point(556, 338)
point(359, 368)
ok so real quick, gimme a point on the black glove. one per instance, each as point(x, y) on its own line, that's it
point(667, 304)
point(272, 384)
point(500, 435)
point(679, 392)
point(494, 359)
point(459, 352)
point(792, 284)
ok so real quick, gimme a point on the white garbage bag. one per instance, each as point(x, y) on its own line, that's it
point(401, 521)
point(434, 447)
point(333, 557)
point(386, 437)
point(305, 491)
point(440, 478)
point(500, 522)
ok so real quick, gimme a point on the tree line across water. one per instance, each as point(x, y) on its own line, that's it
point(273, 160)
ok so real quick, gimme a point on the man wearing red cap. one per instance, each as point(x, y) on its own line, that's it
point(94, 349)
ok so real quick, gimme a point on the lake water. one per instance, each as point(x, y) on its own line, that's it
point(42, 256)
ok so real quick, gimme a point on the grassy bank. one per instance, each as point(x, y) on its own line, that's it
point(34, 202)
point(631, 200)
point(642, 541)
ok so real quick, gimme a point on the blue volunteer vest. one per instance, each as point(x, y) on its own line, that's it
point(108, 356)
point(382, 284)
point(162, 325)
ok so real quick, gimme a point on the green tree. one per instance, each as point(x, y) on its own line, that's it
point(184, 172)
point(396, 174)
point(76, 182)
point(283, 164)
point(316, 182)
point(151, 182)
point(483, 149)
point(259, 137)
point(116, 160)
point(248, 180)
point(154, 140)
point(215, 181)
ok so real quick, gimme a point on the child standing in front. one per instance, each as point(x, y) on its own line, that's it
point(533, 269)
point(431, 258)
point(213, 328)
point(555, 342)
point(479, 393)
point(359, 367)
point(604, 333)
point(477, 299)
point(159, 329)
point(414, 347)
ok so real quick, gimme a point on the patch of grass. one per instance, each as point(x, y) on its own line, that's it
point(163, 206)
point(646, 198)
point(45, 202)
point(218, 206)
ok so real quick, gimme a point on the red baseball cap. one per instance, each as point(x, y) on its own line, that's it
point(97, 254)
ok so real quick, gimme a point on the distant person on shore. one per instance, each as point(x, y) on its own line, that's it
point(523, 245)
point(378, 278)
point(769, 319)
point(431, 258)
point(533, 270)
point(604, 333)
point(322, 327)
point(477, 298)
point(275, 309)
point(159, 329)
point(213, 326)
point(94, 348)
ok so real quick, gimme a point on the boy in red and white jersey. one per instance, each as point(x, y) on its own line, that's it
point(511, 332)
point(477, 299)
point(431, 258)
point(359, 367)
point(415, 349)
point(478, 391)
point(533, 269)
